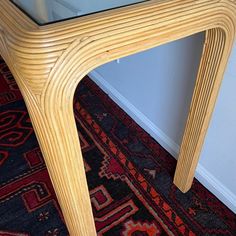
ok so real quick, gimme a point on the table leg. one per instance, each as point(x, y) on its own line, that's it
point(213, 62)
point(57, 135)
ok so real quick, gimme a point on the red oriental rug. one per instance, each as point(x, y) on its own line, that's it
point(129, 175)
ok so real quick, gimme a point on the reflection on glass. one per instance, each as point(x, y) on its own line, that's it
point(48, 11)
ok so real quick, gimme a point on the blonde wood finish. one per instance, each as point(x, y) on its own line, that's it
point(49, 61)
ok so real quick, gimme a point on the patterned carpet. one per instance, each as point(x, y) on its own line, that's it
point(129, 175)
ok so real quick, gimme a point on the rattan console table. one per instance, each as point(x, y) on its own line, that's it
point(48, 61)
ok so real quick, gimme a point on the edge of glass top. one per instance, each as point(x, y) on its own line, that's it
point(47, 14)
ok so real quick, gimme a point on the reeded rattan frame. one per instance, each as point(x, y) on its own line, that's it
point(49, 61)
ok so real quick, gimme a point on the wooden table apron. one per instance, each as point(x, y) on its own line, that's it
point(49, 61)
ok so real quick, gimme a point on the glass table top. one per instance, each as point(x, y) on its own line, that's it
point(49, 11)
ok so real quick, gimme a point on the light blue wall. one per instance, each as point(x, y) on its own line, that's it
point(219, 151)
point(159, 82)
point(155, 88)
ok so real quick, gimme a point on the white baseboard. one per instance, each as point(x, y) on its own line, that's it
point(204, 176)
point(138, 116)
point(216, 187)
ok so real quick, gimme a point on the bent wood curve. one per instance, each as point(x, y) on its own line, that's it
point(49, 61)
point(92, 50)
